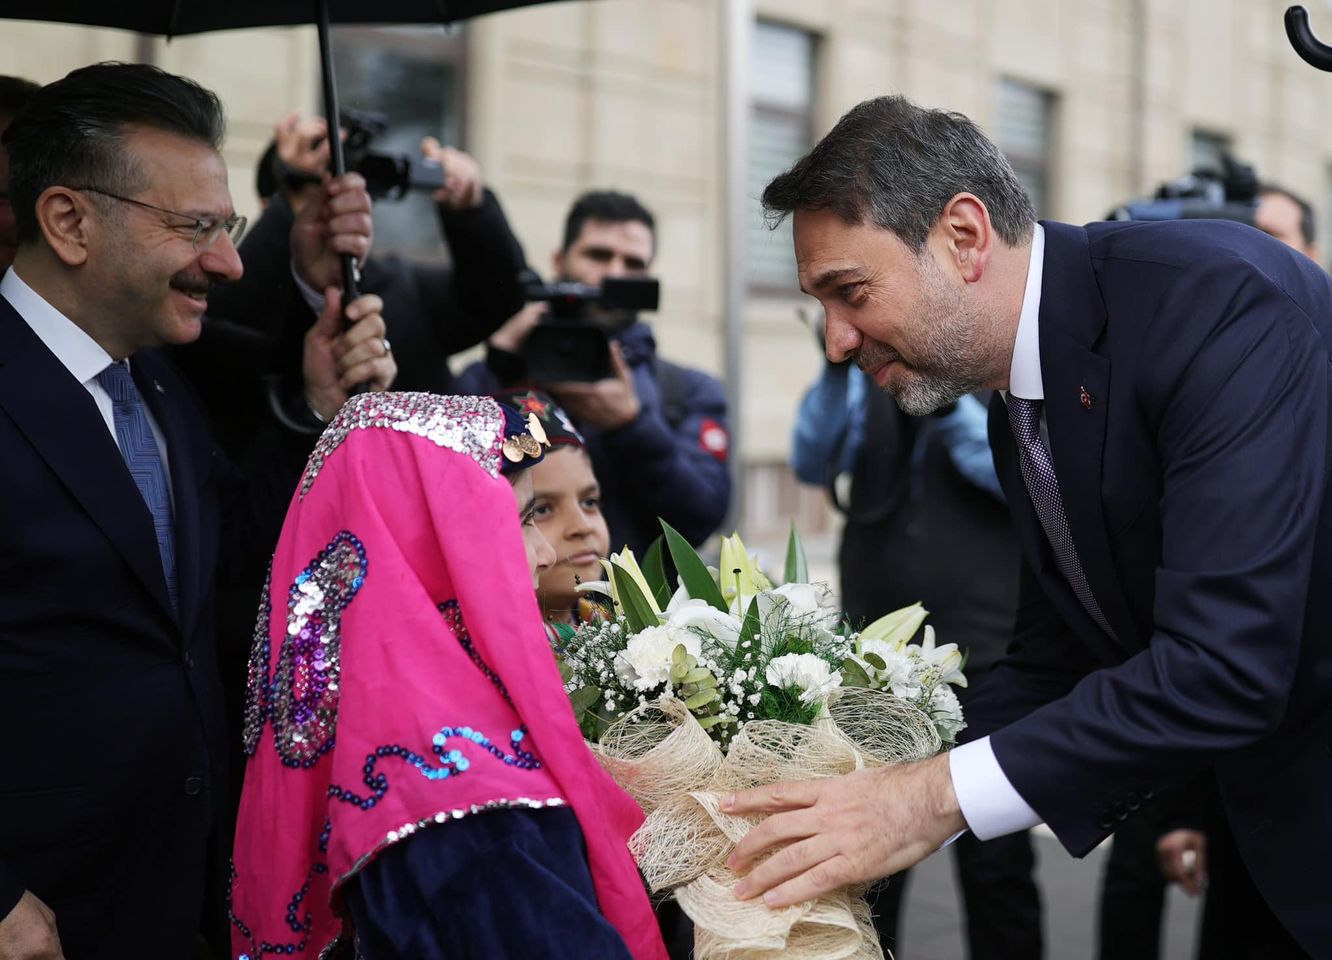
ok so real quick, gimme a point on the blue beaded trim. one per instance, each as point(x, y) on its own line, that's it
point(453, 617)
point(300, 925)
point(304, 692)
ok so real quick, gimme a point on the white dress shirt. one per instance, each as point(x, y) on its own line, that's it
point(990, 804)
point(80, 354)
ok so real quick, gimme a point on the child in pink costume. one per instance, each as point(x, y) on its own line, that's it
point(401, 690)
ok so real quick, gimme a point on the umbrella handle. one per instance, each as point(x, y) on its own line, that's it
point(1312, 50)
point(351, 276)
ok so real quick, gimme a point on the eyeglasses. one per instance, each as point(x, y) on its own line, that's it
point(206, 229)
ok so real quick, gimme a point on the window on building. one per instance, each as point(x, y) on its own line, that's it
point(781, 130)
point(1206, 150)
point(413, 76)
point(1025, 133)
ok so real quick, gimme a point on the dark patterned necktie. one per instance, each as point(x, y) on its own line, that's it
point(1038, 471)
point(139, 448)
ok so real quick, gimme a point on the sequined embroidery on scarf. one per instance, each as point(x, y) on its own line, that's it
point(257, 688)
point(473, 426)
point(299, 919)
point(304, 693)
point(448, 759)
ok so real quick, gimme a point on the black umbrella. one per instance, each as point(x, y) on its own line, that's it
point(176, 18)
point(1301, 36)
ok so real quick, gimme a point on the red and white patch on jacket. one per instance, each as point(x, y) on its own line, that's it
point(713, 438)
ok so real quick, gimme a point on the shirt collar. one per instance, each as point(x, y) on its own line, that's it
point(1024, 375)
point(81, 355)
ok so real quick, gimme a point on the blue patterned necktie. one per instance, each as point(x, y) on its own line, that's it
point(139, 448)
point(1038, 471)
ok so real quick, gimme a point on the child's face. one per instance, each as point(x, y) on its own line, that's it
point(539, 554)
point(568, 511)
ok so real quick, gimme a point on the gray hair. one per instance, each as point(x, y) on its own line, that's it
point(898, 164)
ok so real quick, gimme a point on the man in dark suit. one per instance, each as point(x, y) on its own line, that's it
point(1163, 444)
point(118, 514)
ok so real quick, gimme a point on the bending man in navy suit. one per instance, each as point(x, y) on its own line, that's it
point(118, 515)
point(1163, 444)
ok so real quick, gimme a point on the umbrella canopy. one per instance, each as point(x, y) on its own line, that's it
point(178, 18)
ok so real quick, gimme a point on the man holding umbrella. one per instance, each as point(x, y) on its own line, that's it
point(118, 513)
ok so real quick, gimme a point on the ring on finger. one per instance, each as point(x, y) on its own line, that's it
point(388, 347)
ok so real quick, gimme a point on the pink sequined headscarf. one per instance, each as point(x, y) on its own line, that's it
point(400, 678)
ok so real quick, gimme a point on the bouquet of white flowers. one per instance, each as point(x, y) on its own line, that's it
point(728, 681)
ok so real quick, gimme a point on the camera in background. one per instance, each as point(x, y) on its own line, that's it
point(572, 342)
point(1230, 193)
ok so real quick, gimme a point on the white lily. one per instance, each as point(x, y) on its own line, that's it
point(740, 577)
point(896, 628)
point(696, 615)
point(947, 659)
point(627, 564)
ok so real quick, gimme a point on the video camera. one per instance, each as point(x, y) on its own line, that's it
point(1228, 194)
point(572, 342)
point(388, 174)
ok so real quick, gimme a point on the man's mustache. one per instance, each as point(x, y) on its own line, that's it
point(872, 356)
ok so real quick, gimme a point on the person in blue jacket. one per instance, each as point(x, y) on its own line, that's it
point(656, 431)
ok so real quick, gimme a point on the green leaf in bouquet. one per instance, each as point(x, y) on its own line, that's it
point(654, 571)
point(854, 675)
point(680, 656)
point(584, 699)
point(702, 698)
point(751, 626)
point(633, 605)
point(566, 671)
point(797, 568)
point(898, 627)
point(698, 582)
point(707, 723)
point(875, 661)
point(701, 676)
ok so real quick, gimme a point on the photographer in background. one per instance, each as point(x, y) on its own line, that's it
point(1288, 218)
point(433, 310)
point(656, 431)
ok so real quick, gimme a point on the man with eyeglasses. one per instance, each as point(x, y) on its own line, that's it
point(118, 515)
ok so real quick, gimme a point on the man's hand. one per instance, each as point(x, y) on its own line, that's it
point(337, 222)
point(510, 337)
point(336, 361)
point(606, 404)
point(302, 143)
point(28, 932)
point(464, 189)
point(830, 833)
point(1183, 858)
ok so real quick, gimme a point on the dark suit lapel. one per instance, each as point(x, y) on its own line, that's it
point(180, 443)
point(61, 421)
point(1077, 393)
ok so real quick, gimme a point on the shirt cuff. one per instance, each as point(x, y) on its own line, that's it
point(314, 299)
point(990, 805)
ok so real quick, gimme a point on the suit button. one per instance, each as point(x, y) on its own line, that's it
point(193, 786)
point(1147, 791)
point(1106, 821)
point(1133, 802)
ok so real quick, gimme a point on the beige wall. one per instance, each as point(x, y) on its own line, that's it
point(629, 94)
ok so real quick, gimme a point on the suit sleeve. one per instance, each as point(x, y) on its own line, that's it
point(471, 299)
point(1237, 397)
point(11, 890)
point(673, 472)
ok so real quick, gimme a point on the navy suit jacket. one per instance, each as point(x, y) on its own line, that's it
point(1187, 396)
point(111, 716)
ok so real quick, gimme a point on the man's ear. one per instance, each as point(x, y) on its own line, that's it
point(64, 218)
point(965, 236)
point(557, 262)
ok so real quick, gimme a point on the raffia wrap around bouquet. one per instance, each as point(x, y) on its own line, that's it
point(678, 774)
